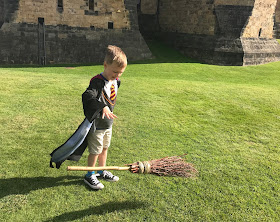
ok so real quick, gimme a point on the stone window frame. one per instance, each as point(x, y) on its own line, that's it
point(91, 8)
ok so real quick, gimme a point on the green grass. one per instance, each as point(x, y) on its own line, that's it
point(226, 118)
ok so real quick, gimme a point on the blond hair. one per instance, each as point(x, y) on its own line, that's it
point(115, 54)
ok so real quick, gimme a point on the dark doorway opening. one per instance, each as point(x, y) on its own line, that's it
point(41, 42)
point(2, 12)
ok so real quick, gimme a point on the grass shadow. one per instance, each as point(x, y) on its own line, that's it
point(12, 186)
point(98, 210)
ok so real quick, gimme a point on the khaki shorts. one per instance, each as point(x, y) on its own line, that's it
point(98, 140)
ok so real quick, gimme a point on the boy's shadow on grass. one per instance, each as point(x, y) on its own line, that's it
point(12, 186)
point(98, 210)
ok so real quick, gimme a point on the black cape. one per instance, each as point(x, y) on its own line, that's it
point(93, 105)
point(74, 147)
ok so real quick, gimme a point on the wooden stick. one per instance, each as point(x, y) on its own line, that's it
point(81, 168)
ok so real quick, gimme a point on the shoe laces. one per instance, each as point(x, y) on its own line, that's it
point(107, 174)
point(94, 179)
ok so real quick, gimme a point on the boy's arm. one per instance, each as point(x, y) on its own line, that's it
point(107, 113)
point(91, 103)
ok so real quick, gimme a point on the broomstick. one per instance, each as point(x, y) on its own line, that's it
point(167, 166)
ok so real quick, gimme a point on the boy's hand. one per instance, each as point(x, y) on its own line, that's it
point(107, 112)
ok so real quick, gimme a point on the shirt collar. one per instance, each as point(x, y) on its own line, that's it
point(103, 77)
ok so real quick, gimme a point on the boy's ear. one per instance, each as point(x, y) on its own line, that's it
point(105, 64)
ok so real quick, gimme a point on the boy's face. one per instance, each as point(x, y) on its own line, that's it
point(112, 71)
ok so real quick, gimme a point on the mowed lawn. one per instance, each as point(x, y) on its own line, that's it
point(227, 119)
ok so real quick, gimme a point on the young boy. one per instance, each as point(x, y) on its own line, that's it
point(101, 95)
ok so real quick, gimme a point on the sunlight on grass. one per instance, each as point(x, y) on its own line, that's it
point(226, 118)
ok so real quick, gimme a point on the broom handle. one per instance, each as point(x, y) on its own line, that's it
point(81, 168)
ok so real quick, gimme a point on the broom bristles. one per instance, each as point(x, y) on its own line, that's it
point(167, 166)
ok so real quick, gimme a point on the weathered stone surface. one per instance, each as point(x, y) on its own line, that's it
point(259, 51)
point(225, 32)
point(192, 17)
point(261, 21)
point(75, 13)
point(41, 32)
point(149, 7)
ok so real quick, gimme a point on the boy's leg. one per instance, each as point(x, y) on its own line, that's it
point(108, 176)
point(92, 159)
point(90, 178)
point(95, 145)
point(106, 141)
point(102, 158)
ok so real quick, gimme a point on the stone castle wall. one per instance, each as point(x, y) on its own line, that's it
point(277, 20)
point(222, 32)
point(74, 13)
point(261, 21)
point(227, 32)
point(38, 31)
point(192, 17)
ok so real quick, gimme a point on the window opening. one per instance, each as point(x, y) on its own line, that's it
point(110, 25)
point(60, 5)
point(2, 12)
point(91, 5)
point(260, 32)
point(41, 21)
point(41, 41)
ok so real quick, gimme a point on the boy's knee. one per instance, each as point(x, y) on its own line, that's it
point(95, 151)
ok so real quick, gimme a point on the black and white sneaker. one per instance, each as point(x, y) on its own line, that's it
point(108, 176)
point(93, 182)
